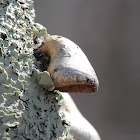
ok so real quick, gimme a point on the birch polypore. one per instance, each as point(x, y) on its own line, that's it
point(80, 127)
point(69, 67)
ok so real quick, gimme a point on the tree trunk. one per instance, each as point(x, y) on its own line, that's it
point(27, 109)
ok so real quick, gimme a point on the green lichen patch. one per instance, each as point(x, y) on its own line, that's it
point(44, 79)
point(29, 106)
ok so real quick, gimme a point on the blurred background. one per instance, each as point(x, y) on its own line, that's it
point(109, 34)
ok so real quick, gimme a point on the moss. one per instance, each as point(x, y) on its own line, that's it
point(28, 110)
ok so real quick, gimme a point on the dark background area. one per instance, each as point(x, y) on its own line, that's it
point(109, 34)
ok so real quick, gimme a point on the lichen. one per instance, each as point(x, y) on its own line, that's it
point(29, 109)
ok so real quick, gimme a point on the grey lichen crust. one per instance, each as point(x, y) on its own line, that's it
point(29, 109)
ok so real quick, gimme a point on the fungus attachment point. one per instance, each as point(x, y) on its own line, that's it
point(69, 68)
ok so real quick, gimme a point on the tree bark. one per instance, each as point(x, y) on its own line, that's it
point(27, 109)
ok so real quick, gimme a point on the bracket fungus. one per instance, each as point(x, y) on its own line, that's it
point(80, 127)
point(69, 67)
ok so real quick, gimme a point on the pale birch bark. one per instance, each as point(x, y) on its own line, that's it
point(27, 109)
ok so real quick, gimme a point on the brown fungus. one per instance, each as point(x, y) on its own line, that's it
point(69, 67)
